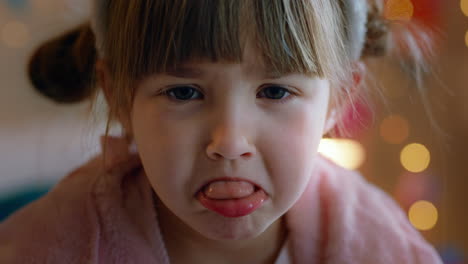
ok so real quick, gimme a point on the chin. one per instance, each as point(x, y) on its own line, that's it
point(225, 229)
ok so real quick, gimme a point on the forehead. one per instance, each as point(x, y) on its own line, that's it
point(251, 64)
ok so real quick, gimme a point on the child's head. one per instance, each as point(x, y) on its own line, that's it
point(228, 57)
point(212, 89)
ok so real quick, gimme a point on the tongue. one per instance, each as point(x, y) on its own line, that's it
point(228, 190)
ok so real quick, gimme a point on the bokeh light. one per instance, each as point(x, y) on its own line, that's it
point(423, 215)
point(411, 187)
point(15, 34)
point(345, 152)
point(415, 157)
point(394, 129)
point(401, 10)
point(466, 38)
point(452, 254)
point(464, 6)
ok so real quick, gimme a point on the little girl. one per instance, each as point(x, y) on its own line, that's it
point(213, 166)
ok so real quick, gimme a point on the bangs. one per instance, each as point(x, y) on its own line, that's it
point(146, 37)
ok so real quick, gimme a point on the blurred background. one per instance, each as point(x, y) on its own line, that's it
point(397, 148)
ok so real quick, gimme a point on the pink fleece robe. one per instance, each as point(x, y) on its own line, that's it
point(97, 214)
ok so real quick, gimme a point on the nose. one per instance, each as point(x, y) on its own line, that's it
point(230, 139)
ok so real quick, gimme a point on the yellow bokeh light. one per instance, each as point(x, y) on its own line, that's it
point(423, 215)
point(464, 6)
point(402, 10)
point(15, 34)
point(415, 157)
point(344, 152)
point(394, 129)
point(466, 38)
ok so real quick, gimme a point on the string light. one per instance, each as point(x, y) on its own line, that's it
point(401, 10)
point(415, 157)
point(464, 6)
point(345, 152)
point(466, 38)
point(394, 129)
point(412, 187)
point(423, 215)
point(15, 34)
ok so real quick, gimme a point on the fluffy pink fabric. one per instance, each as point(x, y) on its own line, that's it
point(103, 213)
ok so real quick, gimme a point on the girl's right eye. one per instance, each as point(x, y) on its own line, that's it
point(181, 93)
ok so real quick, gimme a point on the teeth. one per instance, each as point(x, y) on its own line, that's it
point(229, 189)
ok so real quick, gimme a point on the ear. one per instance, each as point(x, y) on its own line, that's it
point(358, 72)
point(334, 115)
point(105, 81)
point(104, 78)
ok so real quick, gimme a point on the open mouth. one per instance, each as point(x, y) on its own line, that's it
point(231, 198)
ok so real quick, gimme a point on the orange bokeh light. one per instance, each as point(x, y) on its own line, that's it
point(401, 10)
point(394, 129)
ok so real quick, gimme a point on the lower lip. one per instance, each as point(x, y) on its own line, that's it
point(234, 207)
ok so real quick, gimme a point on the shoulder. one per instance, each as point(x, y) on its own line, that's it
point(56, 224)
point(366, 223)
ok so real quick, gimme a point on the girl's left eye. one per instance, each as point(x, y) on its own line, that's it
point(186, 93)
point(277, 93)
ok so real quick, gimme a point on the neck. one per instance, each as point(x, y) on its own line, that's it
point(178, 237)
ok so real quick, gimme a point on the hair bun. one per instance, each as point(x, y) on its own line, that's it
point(376, 43)
point(62, 68)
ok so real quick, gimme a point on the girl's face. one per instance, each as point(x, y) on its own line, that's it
point(228, 120)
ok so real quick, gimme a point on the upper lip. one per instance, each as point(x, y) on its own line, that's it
point(226, 178)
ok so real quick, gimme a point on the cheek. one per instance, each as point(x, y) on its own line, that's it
point(291, 156)
point(163, 147)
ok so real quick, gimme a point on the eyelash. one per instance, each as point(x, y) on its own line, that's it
point(279, 101)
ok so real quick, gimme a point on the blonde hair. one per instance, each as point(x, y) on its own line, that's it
point(313, 37)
